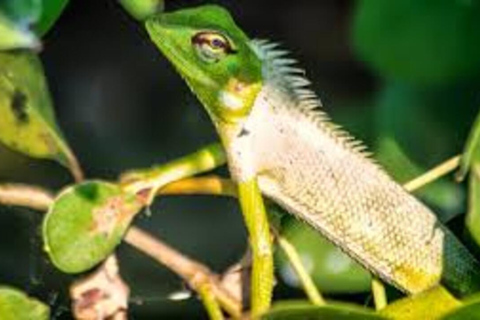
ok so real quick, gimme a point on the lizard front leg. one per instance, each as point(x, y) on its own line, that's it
point(256, 221)
point(153, 179)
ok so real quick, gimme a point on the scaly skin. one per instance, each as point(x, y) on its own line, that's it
point(272, 131)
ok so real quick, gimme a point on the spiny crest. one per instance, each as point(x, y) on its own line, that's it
point(281, 72)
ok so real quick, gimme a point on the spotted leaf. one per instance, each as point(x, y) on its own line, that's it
point(27, 120)
point(85, 224)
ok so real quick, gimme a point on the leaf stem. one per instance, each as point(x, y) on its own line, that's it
point(75, 168)
point(436, 173)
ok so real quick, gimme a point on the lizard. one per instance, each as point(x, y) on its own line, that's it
point(274, 133)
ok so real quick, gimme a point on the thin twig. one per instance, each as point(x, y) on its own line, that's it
point(210, 301)
point(303, 275)
point(436, 173)
point(25, 196)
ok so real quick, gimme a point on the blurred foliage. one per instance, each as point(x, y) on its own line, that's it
point(40, 15)
point(419, 41)
point(429, 122)
point(22, 12)
point(28, 122)
point(15, 305)
point(142, 9)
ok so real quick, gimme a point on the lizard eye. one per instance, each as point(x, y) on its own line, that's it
point(211, 46)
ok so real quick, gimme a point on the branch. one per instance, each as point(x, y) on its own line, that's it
point(433, 174)
point(195, 274)
point(25, 196)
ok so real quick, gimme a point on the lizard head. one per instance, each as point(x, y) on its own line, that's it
point(214, 57)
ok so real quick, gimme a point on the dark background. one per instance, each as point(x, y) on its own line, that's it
point(122, 106)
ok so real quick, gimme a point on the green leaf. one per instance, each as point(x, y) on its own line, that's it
point(27, 120)
point(39, 14)
point(51, 11)
point(331, 270)
point(22, 12)
point(443, 193)
point(419, 41)
point(296, 310)
point(142, 9)
point(416, 133)
point(431, 304)
point(15, 305)
point(85, 224)
point(470, 310)
point(15, 37)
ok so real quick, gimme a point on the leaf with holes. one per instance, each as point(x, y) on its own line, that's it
point(16, 305)
point(294, 310)
point(85, 224)
point(27, 120)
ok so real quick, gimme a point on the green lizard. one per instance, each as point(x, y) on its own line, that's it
point(279, 143)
